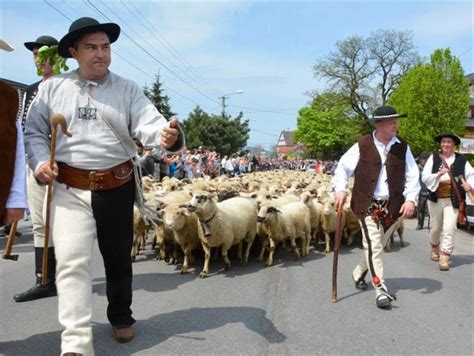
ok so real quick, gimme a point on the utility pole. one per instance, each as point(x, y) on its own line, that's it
point(226, 96)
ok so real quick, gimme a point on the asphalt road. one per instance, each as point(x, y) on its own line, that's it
point(285, 309)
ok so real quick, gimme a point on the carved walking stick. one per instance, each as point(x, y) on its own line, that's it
point(56, 119)
point(337, 245)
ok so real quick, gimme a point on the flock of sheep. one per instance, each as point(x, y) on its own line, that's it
point(275, 206)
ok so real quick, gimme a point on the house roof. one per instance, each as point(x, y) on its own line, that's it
point(285, 139)
point(470, 77)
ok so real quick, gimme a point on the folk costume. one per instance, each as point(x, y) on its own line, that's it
point(443, 203)
point(36, 200)
point(385, 177)
point(12, 152)
point(94, 193)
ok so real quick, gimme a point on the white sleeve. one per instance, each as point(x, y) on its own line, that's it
point(17, 197)
point(412, 177)
point(345, 168)
point(430, 179)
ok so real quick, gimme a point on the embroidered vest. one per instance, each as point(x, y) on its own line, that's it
point(457, 169)
point(367, 173)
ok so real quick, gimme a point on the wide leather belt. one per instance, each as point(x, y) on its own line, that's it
point(95, 180)
point(444, 189)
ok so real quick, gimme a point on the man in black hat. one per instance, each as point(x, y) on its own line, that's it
point(424, 192)
point(445, 195)
point(385, 189)
point(95, 178)
point(37, 192)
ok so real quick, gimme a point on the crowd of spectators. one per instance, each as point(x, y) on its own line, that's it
point(202, 162)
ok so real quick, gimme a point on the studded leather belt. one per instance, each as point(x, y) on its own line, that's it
point(95, 180)
point(444, 189)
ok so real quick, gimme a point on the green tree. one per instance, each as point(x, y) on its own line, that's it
point(327, 126)
point(225, 135)
point(157, 97)
point(367, 70)
point(435, 96)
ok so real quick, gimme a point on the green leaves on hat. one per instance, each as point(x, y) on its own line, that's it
point(50, 53)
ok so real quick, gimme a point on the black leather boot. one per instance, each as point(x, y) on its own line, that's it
point(39, 290)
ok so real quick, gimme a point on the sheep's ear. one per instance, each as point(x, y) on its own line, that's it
point(305, 198)
point(185, 206)
point(184, 211)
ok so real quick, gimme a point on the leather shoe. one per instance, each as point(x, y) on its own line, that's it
point(360, 284)
point(72, 354)
point(123, 333)
point(383, 302)
point(38, 291)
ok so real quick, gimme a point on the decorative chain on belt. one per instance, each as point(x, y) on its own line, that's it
point(378, 209)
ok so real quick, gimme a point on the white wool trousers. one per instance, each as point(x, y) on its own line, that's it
point(36, 202)
point(444, 219)
point(374, 241)
point(78, 218)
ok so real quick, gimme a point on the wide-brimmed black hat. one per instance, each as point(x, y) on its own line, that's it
point(386, 112)
point(40, 42)
point(424, 155)
point(456, 139)
point(82, 26)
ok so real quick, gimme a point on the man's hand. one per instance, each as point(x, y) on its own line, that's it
point(169, 135)
point(45, 174)
point(407, 209)
point(466, 186)
point(13, 215)
point(443, 171)
point(340, 199)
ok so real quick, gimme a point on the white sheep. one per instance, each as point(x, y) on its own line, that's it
point(227, 223)
point(289, 221)
point(186, 229)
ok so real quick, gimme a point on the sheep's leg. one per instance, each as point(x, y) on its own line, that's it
point(294, 248)
point(247, 252)
point(328, 242)
point(207, 257)
point(239, 252)
point(187, 253)
point(224, 250)
point(262, 251)
point(272, 251)
point(400, 233)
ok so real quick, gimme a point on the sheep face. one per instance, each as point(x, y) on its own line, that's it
point(329, 206)
point(174, 217)
point(199, 201)
point(265, 211)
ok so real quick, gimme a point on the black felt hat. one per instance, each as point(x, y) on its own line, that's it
point(386, 112)
point(40, 42)
point(424, 155)
point(456, 139)
point(81, 27)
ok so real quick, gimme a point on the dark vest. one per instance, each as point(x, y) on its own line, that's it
point(457, 169)
point(9, 103)
point(367, 173)
point(31, 92)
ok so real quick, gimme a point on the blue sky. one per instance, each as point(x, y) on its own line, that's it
point(265, 48)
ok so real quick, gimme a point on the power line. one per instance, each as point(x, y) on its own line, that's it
point(127, 61)
point(167, 45)
point(462, 54)
point(152, 56)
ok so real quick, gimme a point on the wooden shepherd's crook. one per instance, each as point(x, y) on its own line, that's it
point(56, 119)
point(337, 245)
